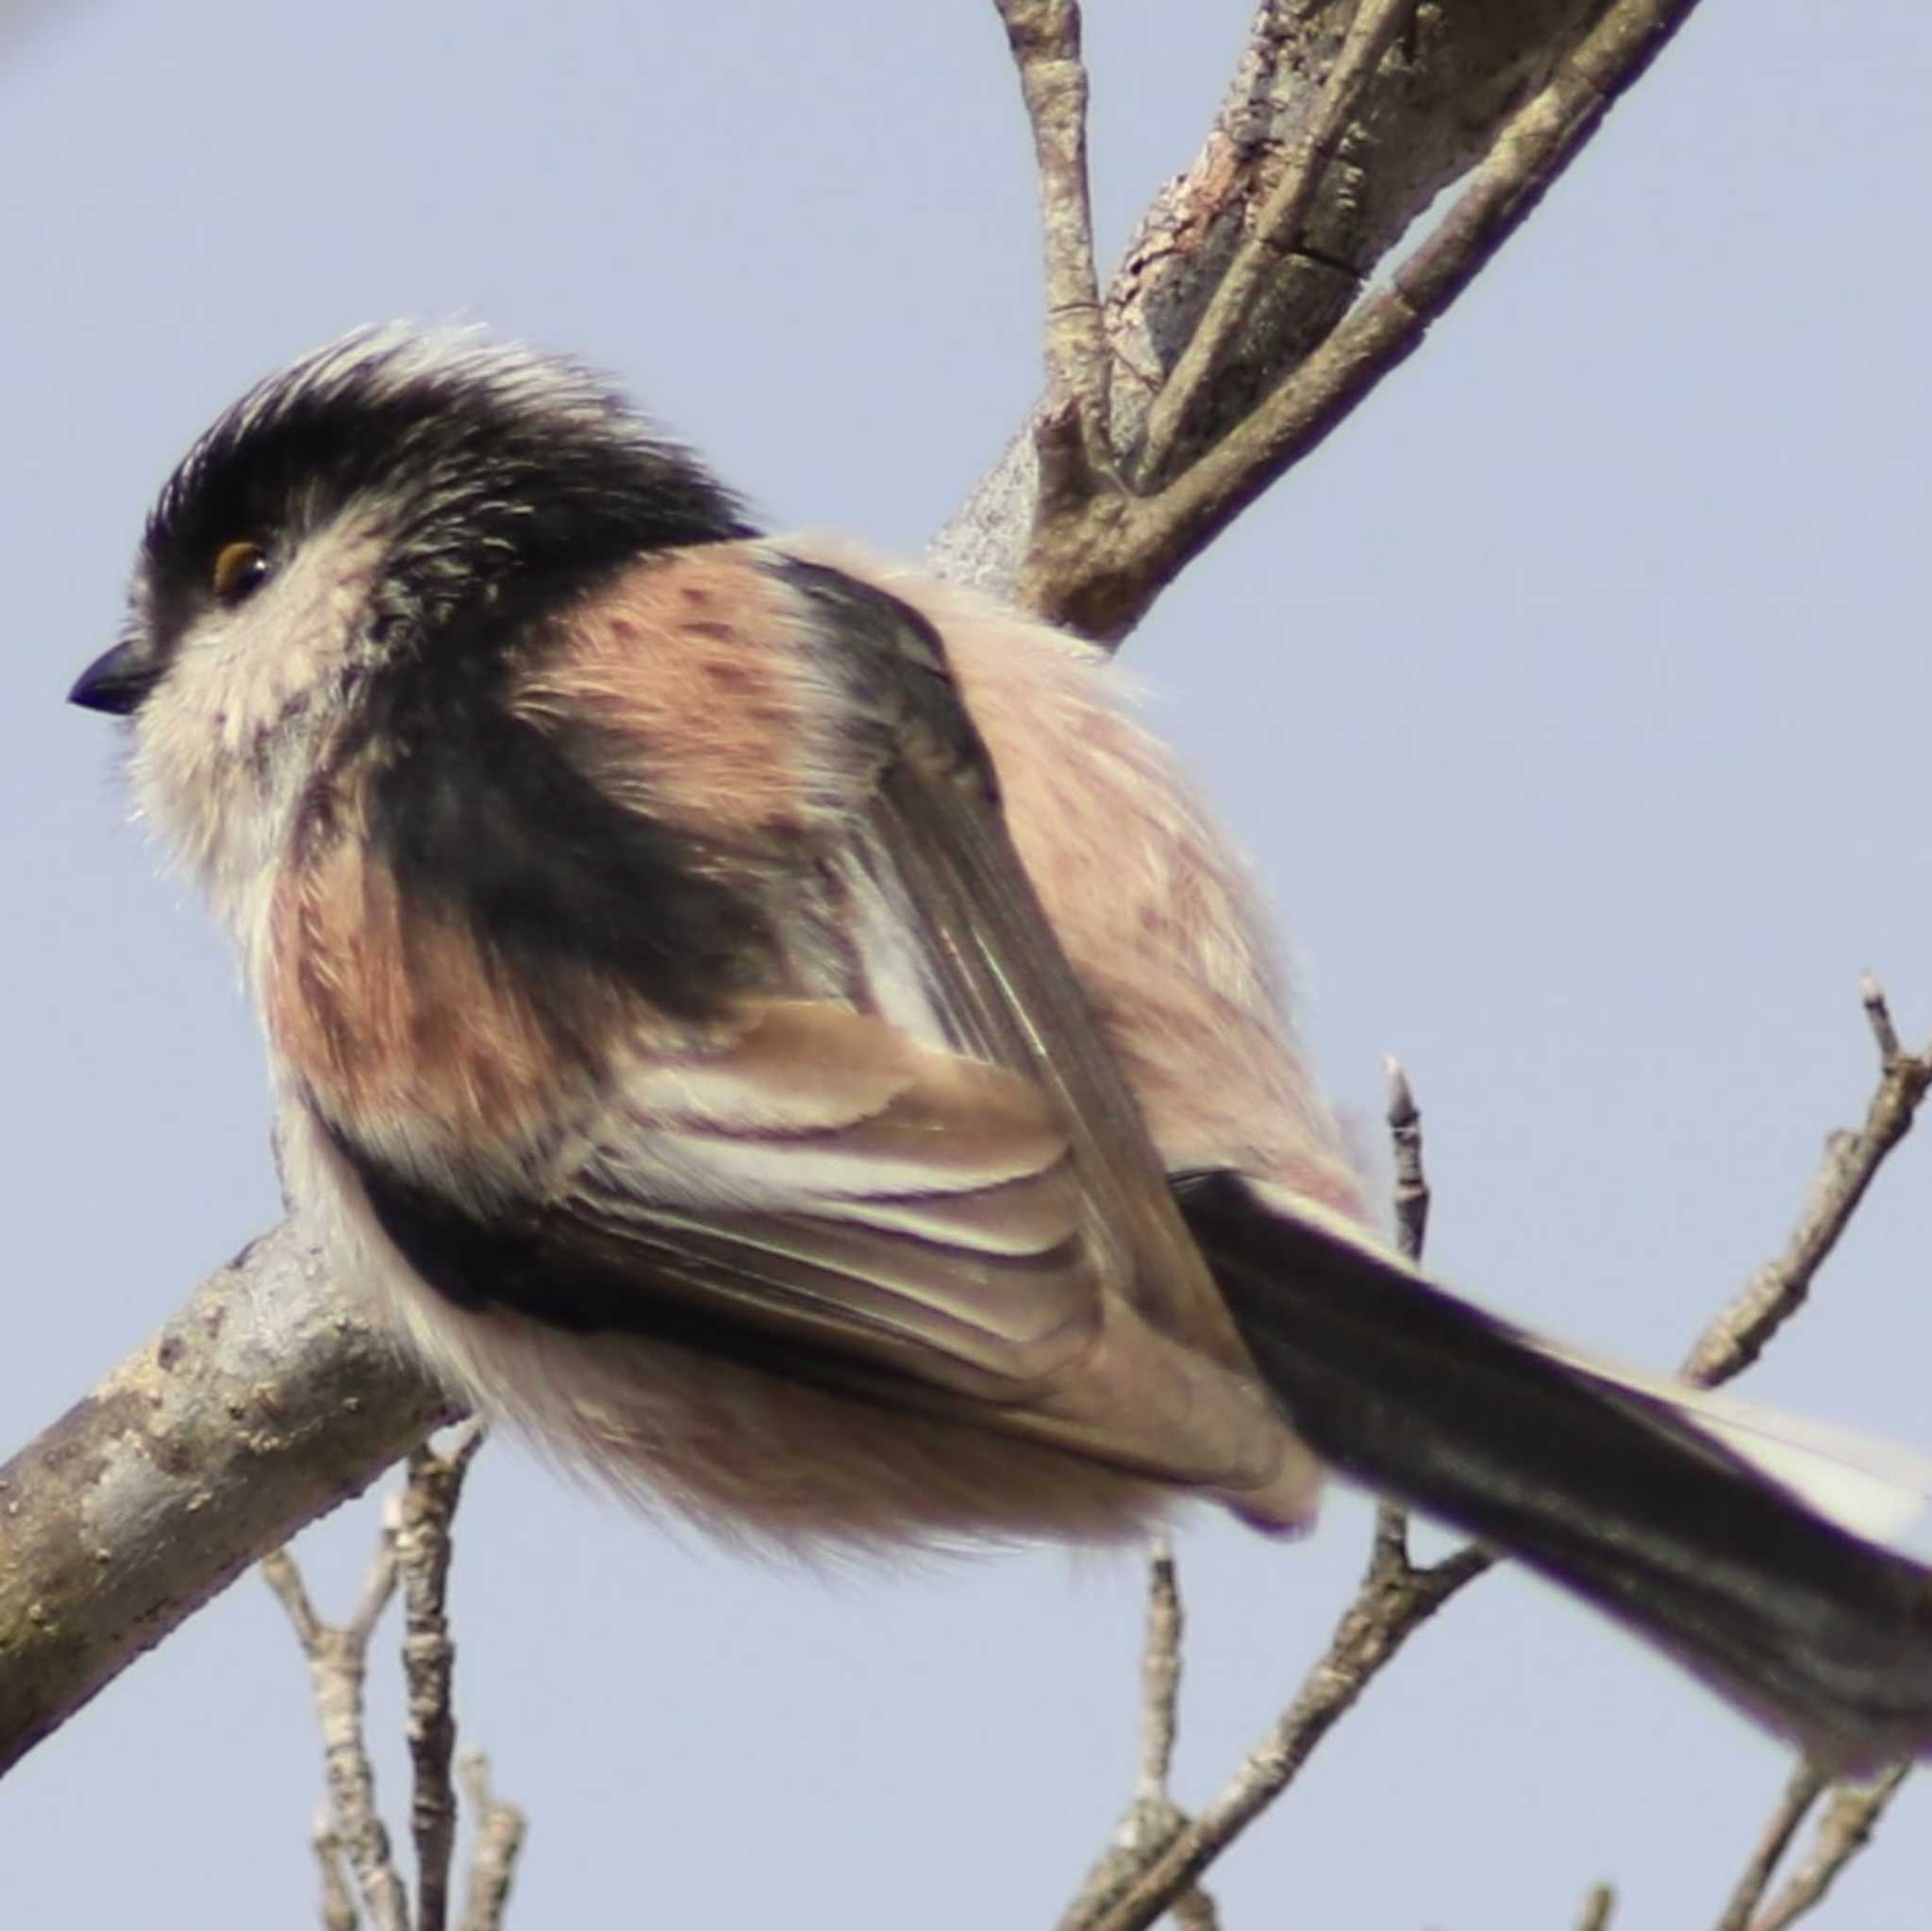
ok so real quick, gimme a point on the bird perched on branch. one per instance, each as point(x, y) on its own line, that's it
point(774, 1024)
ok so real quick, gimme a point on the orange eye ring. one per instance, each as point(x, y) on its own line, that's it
point(240, 571)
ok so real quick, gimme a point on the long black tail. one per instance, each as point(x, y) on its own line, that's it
point(1619, 1492)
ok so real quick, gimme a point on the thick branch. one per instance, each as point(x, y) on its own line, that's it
point(263, 1403)
point(1275, 232)
point(1419, 122)
point(1099, 566)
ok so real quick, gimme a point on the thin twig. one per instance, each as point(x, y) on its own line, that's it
point(1194, 1910)
point(423, 1548)
point(1412, 1206)
point(1044, 36)
point(1411, 1197)
point(338, 1663)
point(1396, 1597)
point(337, 1902)
point(500, 1829)
point(1274, 232)
point(1849, 1821)
point(1160, 1670)
point(1804, 1790)
point(1729, 1344)
point(1138, 1880)
point(1738, 1333)
point(1393, 1602)
point(1152, 1817)
point(1598, 1903)
point(280, 1571)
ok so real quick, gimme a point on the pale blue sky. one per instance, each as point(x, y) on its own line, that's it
point(1573, 702)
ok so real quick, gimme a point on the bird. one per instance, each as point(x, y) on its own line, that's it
point(777, 1027)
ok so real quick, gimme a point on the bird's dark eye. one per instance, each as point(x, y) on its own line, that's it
point(240, 569)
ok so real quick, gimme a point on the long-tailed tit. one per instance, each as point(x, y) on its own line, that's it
point(774, 1025)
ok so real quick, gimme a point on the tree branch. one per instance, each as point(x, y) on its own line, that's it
point(265, 1402)
point(337, 1660)
point(1275, 232)
point(500, 1829)
point(1804, 1790)
point(1599, 1903)
point(1153, 1819)
point(1230, 354)
point(1098, 565)
point(338, 1901)
point(1072, 439)
point(1849, 1821)
point(1420, 123)
point(1740, 1332)
point(423, 1548)
point(1158, 1854)
point(413, 1551)
point(1395, 1600)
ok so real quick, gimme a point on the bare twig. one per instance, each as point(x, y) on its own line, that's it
point(1152, 1817)
point(1599, 1903)
point(338, 1664)
point(1395, 1599)
point(337, 1902)
point(1411, 1198)
point(1274, 232)
point(1148, 1870)
point(500, 1829)
point(1732, 1341)
point(1737, 1335)
point(1804, 1790)
point(429, 1502)
point(1847, 1825)
point(1194, 1910)
point(413, 1552)
point(1161, 1671)
point(1411, 1207)
point(1044, 36)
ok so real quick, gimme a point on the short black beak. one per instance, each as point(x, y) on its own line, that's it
point(116, 681)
